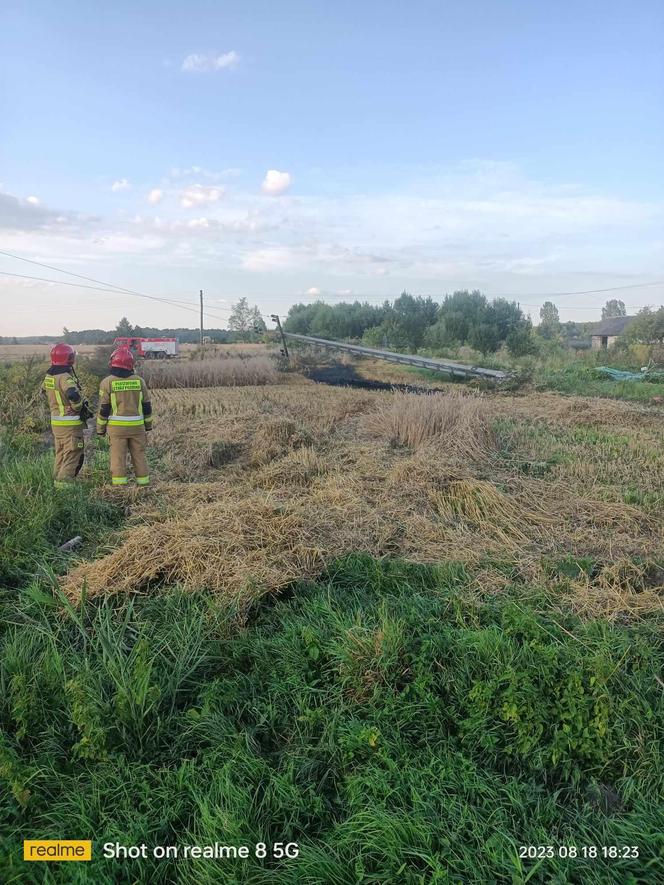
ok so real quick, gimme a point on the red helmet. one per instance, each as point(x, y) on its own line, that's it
point(122, 358)
point(62, 355)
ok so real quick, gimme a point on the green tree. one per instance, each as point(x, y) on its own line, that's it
point(614, 308)
point(407, 320)
point(484, 337)
point(124, 329)
point(374, 336)
point(648, 327)
point(338, 321)
point(549, 326)
point(240, 318)
point(66, 335)
point(246, 320)
point(437, 337)
point(462, 311)
point(257, 322)
point(520, 341)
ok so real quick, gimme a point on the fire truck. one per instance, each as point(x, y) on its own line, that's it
point(150, 348)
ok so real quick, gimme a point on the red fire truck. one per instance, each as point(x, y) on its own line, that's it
point(150, 348)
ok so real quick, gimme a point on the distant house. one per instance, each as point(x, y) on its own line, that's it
point(606, 333)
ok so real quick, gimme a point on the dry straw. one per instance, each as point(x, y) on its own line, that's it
point(459, 422)
point(319, 472)
point(228, 372)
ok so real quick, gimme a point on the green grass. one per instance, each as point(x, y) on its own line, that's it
point(396, 729)
point(581, 380)
point(35, 518)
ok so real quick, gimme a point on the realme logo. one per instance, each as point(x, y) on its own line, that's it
point(57, 849)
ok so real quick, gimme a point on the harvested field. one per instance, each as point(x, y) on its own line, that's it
point(221, 350)
point(12, 352)
point(269, 484)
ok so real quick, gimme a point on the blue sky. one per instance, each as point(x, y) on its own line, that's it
point(513, 146)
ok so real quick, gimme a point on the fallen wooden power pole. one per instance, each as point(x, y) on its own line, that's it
point(457, 370)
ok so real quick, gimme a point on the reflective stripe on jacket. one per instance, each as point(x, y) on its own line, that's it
point(64, 399)
point(123, 402)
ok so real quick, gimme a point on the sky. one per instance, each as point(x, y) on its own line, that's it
point(309, 149)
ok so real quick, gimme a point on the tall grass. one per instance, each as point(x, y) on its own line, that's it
point(35, 518)
point(582, 380)
point(228, 372)
point(395, 729)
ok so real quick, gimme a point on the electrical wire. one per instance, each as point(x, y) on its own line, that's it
point(99, 282)
point(24, 276)
point(117, 290)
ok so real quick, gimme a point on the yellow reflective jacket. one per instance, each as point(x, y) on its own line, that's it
point(124, 401)
point(63, 396)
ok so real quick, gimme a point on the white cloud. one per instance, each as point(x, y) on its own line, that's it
point(198, 222)
point(25, 214)
point(198, 195)
point(155, 196)
point(272, 258)
point(313, 292)
point(199, 62)
point(120, 185)
point(276, 182)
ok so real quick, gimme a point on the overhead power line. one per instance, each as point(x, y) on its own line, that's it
point(103, 287)
point(99, 282)
point(597, 291)
point(25, 276)
point(585, 307)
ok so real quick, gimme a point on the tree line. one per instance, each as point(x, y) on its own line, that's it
point(245, 323)
point(411, 323)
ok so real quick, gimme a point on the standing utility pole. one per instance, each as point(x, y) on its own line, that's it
point(201, 297)
point(275, 319)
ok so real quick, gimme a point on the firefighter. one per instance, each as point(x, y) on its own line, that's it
point(126, 412)
point(65, 403)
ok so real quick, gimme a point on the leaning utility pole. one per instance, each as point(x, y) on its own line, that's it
point(275, 319)
point(201, 297)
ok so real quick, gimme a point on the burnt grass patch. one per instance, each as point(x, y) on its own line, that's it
point(342, 375)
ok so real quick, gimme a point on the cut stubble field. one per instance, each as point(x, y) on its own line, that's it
point(260, 486)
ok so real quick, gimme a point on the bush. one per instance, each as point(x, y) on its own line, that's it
point(520, 342)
